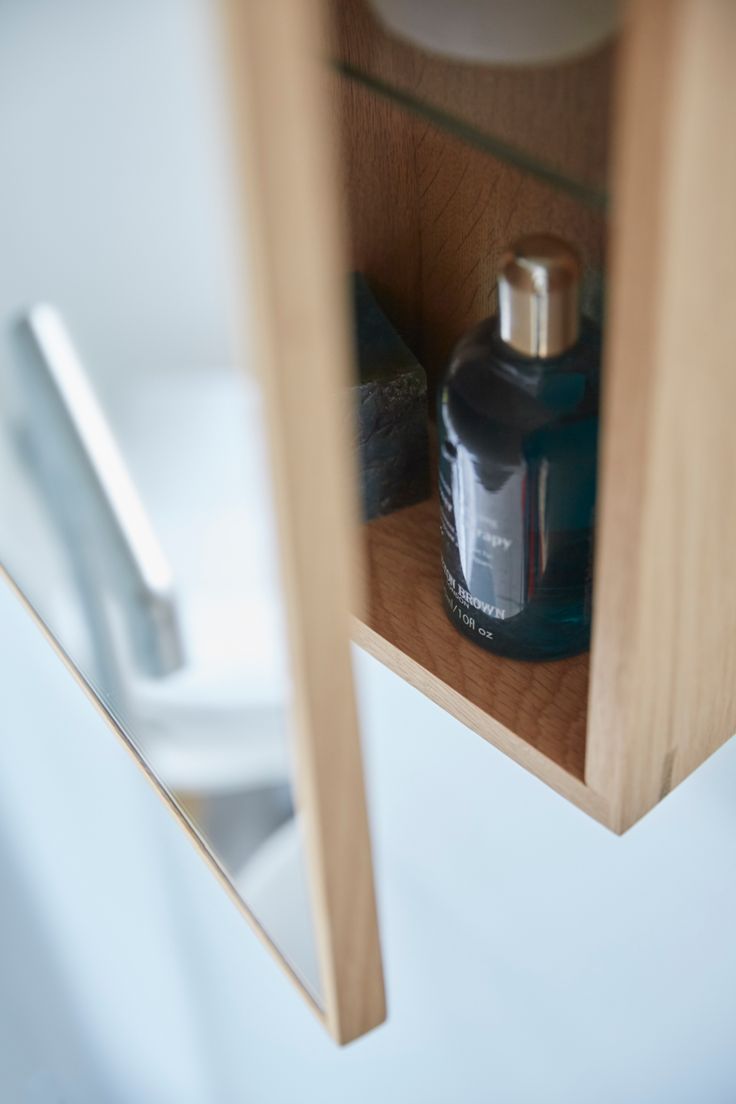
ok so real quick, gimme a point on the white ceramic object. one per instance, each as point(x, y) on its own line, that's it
point(502, 32)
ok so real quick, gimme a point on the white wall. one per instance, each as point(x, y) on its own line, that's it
point(530, 955)
point(114, 203)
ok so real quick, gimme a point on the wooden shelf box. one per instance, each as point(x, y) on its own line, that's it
point(428, 214)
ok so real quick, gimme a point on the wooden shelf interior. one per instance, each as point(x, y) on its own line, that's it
point(535, 712)
point(429, 211)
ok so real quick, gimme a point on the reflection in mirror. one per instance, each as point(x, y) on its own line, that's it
point(138, 513)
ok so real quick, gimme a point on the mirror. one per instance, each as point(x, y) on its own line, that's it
point(158, 517)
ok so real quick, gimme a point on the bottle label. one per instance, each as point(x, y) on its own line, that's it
point(517, 544)
point(483, 545)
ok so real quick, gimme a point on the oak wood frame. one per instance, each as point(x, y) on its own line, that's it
point(663, 672)
point(292, 239)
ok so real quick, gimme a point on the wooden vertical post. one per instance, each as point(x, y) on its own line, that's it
point(294, 248)
point(663, 686)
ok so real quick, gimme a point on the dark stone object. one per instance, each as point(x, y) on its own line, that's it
point(391, 405)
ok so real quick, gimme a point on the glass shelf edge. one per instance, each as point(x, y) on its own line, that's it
point(589, 194)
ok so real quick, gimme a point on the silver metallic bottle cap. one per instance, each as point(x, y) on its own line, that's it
point(539, 296)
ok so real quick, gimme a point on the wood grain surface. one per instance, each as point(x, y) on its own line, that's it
point(293, 247)
point(535, 712)
point(560, 113)
point(663, 690)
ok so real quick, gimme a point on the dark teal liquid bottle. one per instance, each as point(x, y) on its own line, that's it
point(518, 428)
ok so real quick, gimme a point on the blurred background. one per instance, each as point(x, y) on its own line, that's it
point(529, 954)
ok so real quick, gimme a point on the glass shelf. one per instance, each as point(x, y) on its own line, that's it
point(591, 192)
point(550, 122)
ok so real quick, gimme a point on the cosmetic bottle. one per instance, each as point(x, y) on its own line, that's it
point(518, 426)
